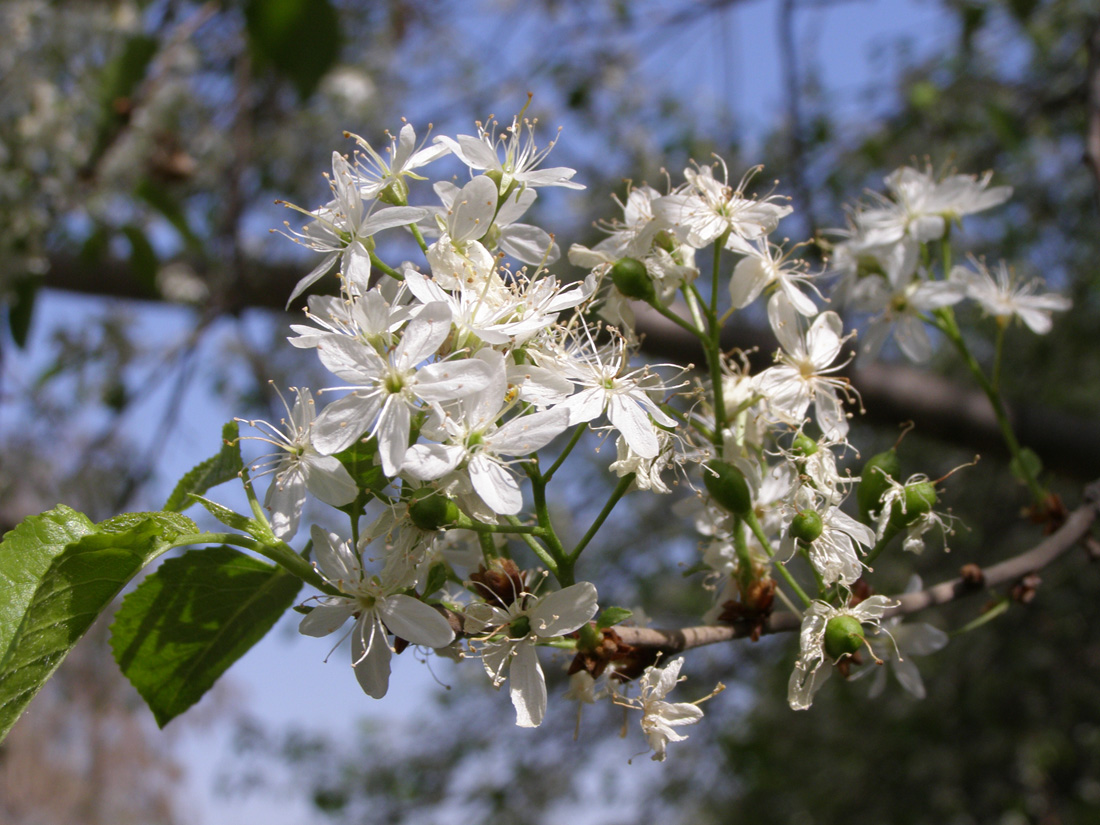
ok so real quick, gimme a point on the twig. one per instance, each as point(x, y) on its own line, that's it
point(1075, 529)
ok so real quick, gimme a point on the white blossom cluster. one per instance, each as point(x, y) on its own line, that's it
point(452, 375)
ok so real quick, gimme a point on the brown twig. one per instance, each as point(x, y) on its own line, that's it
point(1074, 530)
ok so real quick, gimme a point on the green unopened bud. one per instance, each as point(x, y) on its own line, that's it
point(804, 445)
point(843, 636)
point(633, 280)
point(433, 511)
point(727, 486)
point(806, 526)
point(873, 482)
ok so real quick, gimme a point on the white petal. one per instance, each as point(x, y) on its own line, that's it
point(495, 485)
point(324, 619)
point(527, 686)
point(329, 480)
point(371, 657)
point(415, 622)
point(565, 610)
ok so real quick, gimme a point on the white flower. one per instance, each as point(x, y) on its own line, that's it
point(519, 161)
point(922, 206)
point(341, 228)
point(905, 641)
point(515, 630)
point(375, 174)
point(1002, 297)
point(705, 209)
point(809, 672)
point(298, 467)
point(386, 388)
point(378, 609)
point(765, 264)
point(802, 375)
point(660, 718)
point(835, 553)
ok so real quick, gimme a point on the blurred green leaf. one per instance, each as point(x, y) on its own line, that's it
point(299, 38)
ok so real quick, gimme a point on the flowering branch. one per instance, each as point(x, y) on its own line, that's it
point(1075, 529)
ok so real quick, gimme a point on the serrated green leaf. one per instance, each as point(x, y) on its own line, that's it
point(611, 616)
point(230, 518)
point(223, 467)
point(182, 628)
point(77, 585)
point(25, 555)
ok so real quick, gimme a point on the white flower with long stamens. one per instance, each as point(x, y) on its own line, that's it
point(473, 439)
point(510, 635)
point(660, 718)
point(516, 159)
point(705, 209)
point(342, 227)
point(522, 241)
point(764, 265)
point(607, 387)
point(923, 207)
point(1003, 297)
point(802, 375)
point(297, 468)
point(386, 389)
point(378, 608)
point(376, 174)
point(811, 670)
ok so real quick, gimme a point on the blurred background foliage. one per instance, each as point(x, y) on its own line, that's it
point(142, 145)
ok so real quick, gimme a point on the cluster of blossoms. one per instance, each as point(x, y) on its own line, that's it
point(454, 373)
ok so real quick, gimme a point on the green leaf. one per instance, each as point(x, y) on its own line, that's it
point(78, 583)
point(21, 309)
point(437, 577)
point(612, 616)
point(182, 628)
point(230, 518)
point(223, 467)
point(299, 38)
point(25, 556)
point(143, 259)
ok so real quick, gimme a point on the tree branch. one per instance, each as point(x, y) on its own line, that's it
point(1074, 530)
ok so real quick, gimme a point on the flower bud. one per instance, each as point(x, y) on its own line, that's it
point(396, 194)
point(632, 279)
point(432, 511)
point(806, 526)
point(873, 482)
point(727, 486)
point(843, 636)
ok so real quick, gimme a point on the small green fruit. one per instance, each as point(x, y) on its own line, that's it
point(843, 636)
point(727, 486)
point(920, 498)
point(433, 511)
point(806, 526)
point(631, 279)
point(803, 445)
point(873, 481)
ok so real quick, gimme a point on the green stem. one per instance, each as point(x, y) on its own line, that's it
point(758, 531)
point(676, 319)
point(466, 523)
point(616, 494)
point(379, 264)
point(278, 551)
point(945, 322)
point(419, 238)
point(564, 453)
point(536, 548)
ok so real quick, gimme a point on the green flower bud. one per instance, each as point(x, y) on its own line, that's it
point(806, 526)
point(396, 194)
point(727, 486)
point(632, 279)
point(843, 636)
point(873, 481)
point(432, 511)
